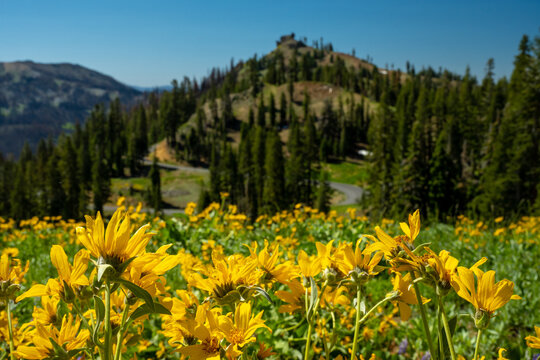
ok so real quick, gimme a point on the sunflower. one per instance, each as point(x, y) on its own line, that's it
point(294, 299)
point(489, 297)
point(230, 280)
point(441, 269)
point(70, 278)
point(69, 338)
point(11, 275)
point(534, 341)
point(240, 331)
point(405, 295)
point(202, 335)
point(113, 246)
point(360, 265)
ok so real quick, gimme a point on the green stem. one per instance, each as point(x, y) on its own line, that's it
point(295, 326)
point(357, 325)
point(10, 330)
point(447, 330)
point(440, 333)
point(326, 349)
point(83, 319)
point(424, 319)
point(120, 335)
point(365, 317)
point(477, 344)
point(310, 319)
point(108, 329)
point(308, 340)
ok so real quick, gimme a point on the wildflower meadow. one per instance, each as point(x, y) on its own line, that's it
point(297, 285)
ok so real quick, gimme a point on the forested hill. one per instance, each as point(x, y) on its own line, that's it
point(444, 143)
point(41, 100)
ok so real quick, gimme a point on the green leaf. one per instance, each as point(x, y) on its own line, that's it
point(452, 324)
point(100, 308)
point(144, 309)
point(57, 348)
point(160, 309)
point(138, 292)
point(104, 269)
point(362, 306)
point(125, 264)
point(263, 293)
point(72, 353)
point(313, 297)
point(140, 311)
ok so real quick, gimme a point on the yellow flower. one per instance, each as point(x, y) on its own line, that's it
point(68, 337)
point(294, 299)
point(231, 279)
point(444, 267)
point(268, 262)
point(113, 246)
point(240, 332)
point(11, 275)
point(358, 264)
point(489, 297)
point(501, 357)
point(47, 315)
point(309, 266)
point(534, 341)
point(406, 295)
point(72, 276)
point(334, 297)
point(146, 270)
point(205, 328)
point(413, 229)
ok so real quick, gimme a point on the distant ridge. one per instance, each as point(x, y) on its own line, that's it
point(41, 100)
point(152, 88)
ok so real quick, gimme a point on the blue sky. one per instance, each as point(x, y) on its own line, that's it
point(148, 43)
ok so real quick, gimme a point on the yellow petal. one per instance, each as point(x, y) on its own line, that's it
point(60, 261)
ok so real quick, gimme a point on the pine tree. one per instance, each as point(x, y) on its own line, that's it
point(57, 197)
point(20, 199)
point(274, 179)
point(282, 110)
point(383, 158)
point(272, 110)
point(324, 193)
point(155, 186)
point(70, 174)
point(261, 113)
point(258, 153)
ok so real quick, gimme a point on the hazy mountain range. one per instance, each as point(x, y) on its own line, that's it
point(42, 100)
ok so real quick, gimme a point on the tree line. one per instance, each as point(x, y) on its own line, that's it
point(444, 143)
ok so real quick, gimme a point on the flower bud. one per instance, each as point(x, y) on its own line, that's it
point(481, 319)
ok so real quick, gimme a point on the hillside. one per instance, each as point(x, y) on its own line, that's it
point(42, 100)
point(322, 86)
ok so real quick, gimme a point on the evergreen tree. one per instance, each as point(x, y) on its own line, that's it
point(282, 110)
point(70, 174)
point(155, 186)
point(274, 180)
point(324, 193)
point(261, 113)
point(20, 200)
point(55, 187)
point(382, 137)
point(272, 110)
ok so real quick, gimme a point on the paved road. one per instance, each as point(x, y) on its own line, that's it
point(352, 192)
point(171, 211)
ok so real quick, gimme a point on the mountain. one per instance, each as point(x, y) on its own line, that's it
point(42, 100)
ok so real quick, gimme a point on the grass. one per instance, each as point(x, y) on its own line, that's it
point(177, 188)
point(347, 172)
